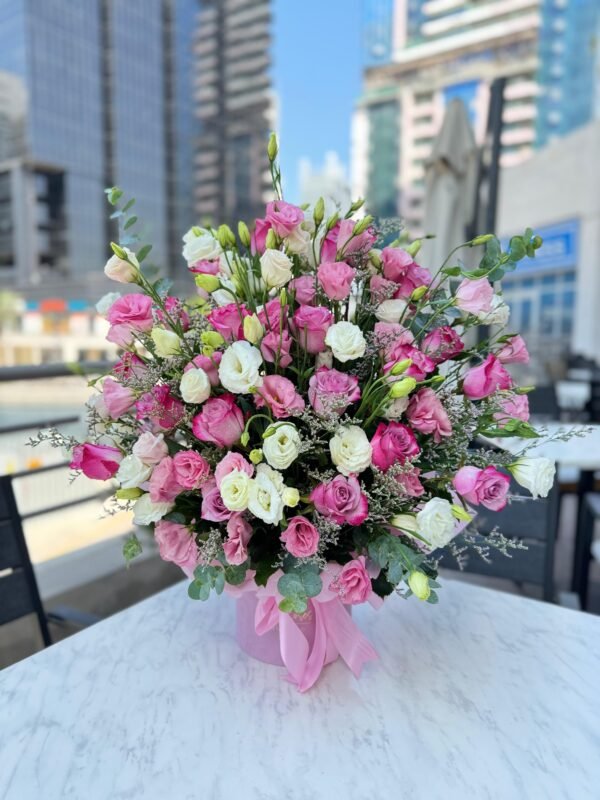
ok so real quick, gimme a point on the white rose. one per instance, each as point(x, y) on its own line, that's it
point(132, 472)
point(436, 522)
point(535, 474)
point(146, 512)
point(350, 450)
point(103, 305)
point(346, 341)
point(239, 368)
point(200, 248)
point(150, 448)
point(235, 490)
point(166, 343)
point(396, 408)
point(391, 310)
point(499, 314)
point(282, 447)
point(265, 500)
point(195, 386)
point(123, 270)
point(275, 268)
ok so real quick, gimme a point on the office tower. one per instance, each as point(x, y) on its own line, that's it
point(234, 108)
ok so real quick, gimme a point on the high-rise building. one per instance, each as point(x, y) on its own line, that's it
point(234, 106)
point(108, 101)
point(330, 182)
point(419, 54)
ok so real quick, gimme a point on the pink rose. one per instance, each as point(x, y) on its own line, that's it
point(486, 487)
point(514, 407)
point(410, 483)
point(513, 352)
point(310, 326)
point(427, 415)
point(329, 243)
point(353, 583)
point(442, 344)
point(129, 365)
point(280, 395)
point(276, 347)
point(205, 267)
point(332, 391)
point(341, 500)
point(398, 266)
point(336, 279)
point(229, 321)
point(98, 461)
point(213, 508)
point(393, 443)
point(273, 316)
point(164, 486)
point(475, 297)
point(117, 399)
point(381, 289)
point(221, 421)
point(210, 365)
point(259, 236)
point(150, 448)
point(230, 462)
point(128, 315)
point(304, 289)
point(486, 379)
point(283, 217)
point(301, 538)
point(348, 244)
point(191, 469)
point(160, 407)
point(176, 544)
point(239, 532)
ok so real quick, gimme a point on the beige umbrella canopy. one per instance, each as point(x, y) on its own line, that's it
point(451, 180)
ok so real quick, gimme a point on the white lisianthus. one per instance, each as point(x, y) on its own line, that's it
point(225, 266)
point(103, 305)
point(275, 268)
point(166, 343)
point(298, 241)
point(499, 313)
point(534, 474)
point(273, 475)
point(132, 472)
point(290, 496)
point(253, 330)
point(346, 341)
point(195, 386)
point(350, 450)
point(391, 310)
point(150, 448)
point(281, 448)
point(235, 490)
point(239, 368)
point(200, 248)
point(224, 296)
point(404, 522)
point(96, 401)
point(436, 522)
point(123, 270)
point(145, 512)
point(265, 500)
point(396, 408)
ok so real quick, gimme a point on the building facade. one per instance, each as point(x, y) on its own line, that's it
point(234, 105)
point(108, 87)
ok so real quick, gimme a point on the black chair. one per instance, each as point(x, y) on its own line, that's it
point(535, 523)
point(543, 402)
point(19, 593)
point(590, 514)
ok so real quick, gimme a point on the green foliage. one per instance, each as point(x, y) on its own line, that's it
point(131, 548)
point(393, 556)
point(296, 586)
point(512, 427)
point(206, 578)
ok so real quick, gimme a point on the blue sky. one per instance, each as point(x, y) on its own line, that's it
point(317, 77)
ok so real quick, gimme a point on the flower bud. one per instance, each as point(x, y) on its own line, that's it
point(123, 267)
point(357, 204)
point(404, 522)
point(418, 293)
point(418, 583)
point(374, 258)
point(207, 350)
point(253, 330)
point(272, 147)
point(401, 366)
point(256, 455)
point(482, 239)
point(319, 211)
point(225, 237)
point(197, 231)
point(413, 248)
point(402, 388)
point(166, 343)
point(128, 494)
point(537, 242)
point(362, 225)
point(437, 379)
point(282, 297)
point(211, 338)
point(332, 221)
point(271, 240)
point(244, 234)
point(207, 282)
point(460, 513)
point(290, 497)
point(244, 439)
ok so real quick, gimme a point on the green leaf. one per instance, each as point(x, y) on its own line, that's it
point(294, 605)
point(131, 548)
point(163, 286)
point(113, 194)
point(517, 248)
point(453, 272)
point(263, 572)
point(235, 575)
point(128, 204)
point(143, 252)
point(131, 221)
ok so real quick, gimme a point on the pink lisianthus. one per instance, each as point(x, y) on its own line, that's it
point(176, 311)
point(129, 315)
point(393, 443)
point(310, 325)
point(514, 351)
point(348, 244)
point(381, 289)
point(353, 583)
point(235, 547)
point(410, 483)
point(391, 334)
point(304, 289)
point(329, 244)
point(191, 469)
point(475, 296)
point(273, 316)
point(427, 415)
point(213, 508)
point(230, 462)
point(515, 406)
point(283, 217)
point(117, 398)
point(129, 365)
point(258, 243)
point(486, 379)
point(160, 407)
point(275, 347)
point(341, 500)
point(332, 391)
point(210, 365)
point(176, 543)
point(205, 268)
point(221, 421)
point(399, 267)
point(150, 448)
point(97, 461)
point(442, 344)
point(301, 538)
point(487, 487)
point(164, 486)
point(229, 321)
point(336, 279)
point(421, 365)
point(280, 395)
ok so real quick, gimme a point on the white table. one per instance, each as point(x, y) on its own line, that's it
point(487, 695)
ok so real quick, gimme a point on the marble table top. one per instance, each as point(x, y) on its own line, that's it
point(582, 452)
point(486, 695)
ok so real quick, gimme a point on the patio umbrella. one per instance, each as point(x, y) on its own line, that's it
point(451, 180)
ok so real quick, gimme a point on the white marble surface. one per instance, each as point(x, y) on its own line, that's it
point(581, 452)
point(487, 695)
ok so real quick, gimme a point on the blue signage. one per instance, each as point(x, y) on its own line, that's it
point(560, 249)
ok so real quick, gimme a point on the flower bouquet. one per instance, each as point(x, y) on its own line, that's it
point(300, 432)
